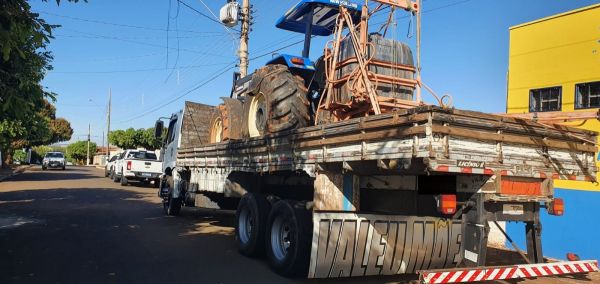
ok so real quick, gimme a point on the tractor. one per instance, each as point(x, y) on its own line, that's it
point(360, 73)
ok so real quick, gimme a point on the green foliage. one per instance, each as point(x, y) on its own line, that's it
point(20, 156)
point(61, 130)
point(25, 113)
point(78, 150)
point(40, 151)
point(135, 138)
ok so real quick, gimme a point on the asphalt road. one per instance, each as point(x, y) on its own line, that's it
point(76, 226)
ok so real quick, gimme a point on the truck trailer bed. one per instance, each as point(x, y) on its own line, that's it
point(425, 139)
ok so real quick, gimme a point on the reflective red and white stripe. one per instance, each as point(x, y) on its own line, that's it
point(507, 272)
point(465, 170)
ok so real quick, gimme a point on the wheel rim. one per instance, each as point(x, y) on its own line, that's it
point(245, 225)
point(217, 130)
point(281, 238)
point(257, 118)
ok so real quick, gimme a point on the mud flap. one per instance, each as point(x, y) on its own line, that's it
point(475, 233)
point(349, 244)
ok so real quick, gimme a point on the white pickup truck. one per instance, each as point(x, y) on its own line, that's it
point(139, 165)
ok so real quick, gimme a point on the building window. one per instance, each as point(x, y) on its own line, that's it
point(546, 99)
point(587, 95)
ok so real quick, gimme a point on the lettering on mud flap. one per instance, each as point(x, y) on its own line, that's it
point(348, 244)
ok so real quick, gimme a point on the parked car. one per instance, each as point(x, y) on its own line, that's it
point(110, 166)
point(139, 165)
point(54, 160)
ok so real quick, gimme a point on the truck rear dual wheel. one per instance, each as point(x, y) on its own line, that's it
point(279, 102)
point(251, 223)
point(289, 238)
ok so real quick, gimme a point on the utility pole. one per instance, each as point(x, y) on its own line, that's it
point(108, 125)
point(88, 144)
point(102, 137)
point(243, 52)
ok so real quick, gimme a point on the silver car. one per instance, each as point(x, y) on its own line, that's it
point(54, 160)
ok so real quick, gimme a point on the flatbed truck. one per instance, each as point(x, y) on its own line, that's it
point(405, 192)
point(336, 170)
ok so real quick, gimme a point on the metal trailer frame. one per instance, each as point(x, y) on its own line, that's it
point(485, 152)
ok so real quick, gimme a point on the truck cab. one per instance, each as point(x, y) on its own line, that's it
point(171, 142)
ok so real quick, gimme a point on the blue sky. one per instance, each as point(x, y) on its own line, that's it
point(148, 57)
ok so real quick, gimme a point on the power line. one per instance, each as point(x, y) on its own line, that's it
point(430, 10)
point(119, 25)
point(168, 28)
point(201, 14)
point(142, 43)
point(144, 37)
point(137, 70)
point(278, 49)
point(225, 27)
point(215, 76)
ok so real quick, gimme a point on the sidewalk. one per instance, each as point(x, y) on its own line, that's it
point(12, 171)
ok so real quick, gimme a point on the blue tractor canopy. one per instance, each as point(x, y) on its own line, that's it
point(316, 17)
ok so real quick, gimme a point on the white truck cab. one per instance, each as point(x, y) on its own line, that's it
point(172, 141)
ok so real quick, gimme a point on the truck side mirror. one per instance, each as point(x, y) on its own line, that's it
point(158, 128)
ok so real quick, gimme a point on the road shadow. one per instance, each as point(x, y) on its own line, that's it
point(120, 235)
point(37, 174)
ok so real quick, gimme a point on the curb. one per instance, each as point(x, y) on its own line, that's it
point(16, 172)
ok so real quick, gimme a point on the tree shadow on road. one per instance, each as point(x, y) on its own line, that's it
point(51, 175)
point(120, 235)
point(115, 235)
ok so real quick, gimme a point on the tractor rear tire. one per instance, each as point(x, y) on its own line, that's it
point(225, 123)
point(278, 103)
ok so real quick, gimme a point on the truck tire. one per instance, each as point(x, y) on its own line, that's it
point(116, 177)
point(279, 102)
point(106, 173)
point(111, 174)
point(251, 223)
point(171, 206)
point(124, 181)
point(289, 238)
point(225, 123)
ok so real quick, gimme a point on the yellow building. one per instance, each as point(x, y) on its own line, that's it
point(554, 66)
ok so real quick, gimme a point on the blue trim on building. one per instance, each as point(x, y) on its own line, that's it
point(348, 191)
point(577, 231)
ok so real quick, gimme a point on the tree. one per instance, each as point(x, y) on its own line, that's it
point(61, 130)
point(24, 61)
point(135, 138)
point(78, 150)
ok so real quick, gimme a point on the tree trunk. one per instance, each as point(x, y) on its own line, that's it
point(6, 157)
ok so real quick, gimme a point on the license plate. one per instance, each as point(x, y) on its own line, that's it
point(146, 175)
point(512, 209)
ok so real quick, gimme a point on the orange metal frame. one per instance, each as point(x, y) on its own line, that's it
point(361, 82)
